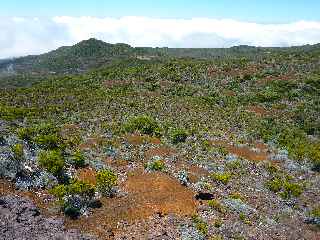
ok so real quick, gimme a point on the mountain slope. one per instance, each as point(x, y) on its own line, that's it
point(93, 53)
point(80, 57)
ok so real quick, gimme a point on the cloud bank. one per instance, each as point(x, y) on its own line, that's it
point(23, 36)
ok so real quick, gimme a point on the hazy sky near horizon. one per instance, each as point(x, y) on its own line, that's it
point(37, 26)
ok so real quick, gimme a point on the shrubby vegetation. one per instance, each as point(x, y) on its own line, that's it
point(155, 165)
point(143, 124)
point(18, 153)
point(285, 187)
point(78, 159)
point(187, 118)
point(53, 161)
point(178, 136)
point(106, 180)
point(74, 197)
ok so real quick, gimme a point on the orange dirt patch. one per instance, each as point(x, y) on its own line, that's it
point(91, 143)
point(195, 173)
point(87, 175)
point(157, 192)
point(137, 139)
point(116, 162)
point(245, 151)
point(284, 77)
point(69, 130)
point(155, 141)
point(148, 194)
point(160, 151)
point(230, 93)
point(258, 110)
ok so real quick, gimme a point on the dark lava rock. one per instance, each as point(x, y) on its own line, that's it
point(204, 196)
point(20, 219)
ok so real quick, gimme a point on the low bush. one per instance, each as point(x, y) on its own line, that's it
point(143, 124)
point(285, 187)
point(81, 188)
point(52, 141)
point(78, 159)
point(17, 151)
point(200, 225)
point(221, 177)
point(291, 190)
point(2, 140)
point(157, 165)
point(25, 133)
point(178, 136)
point(216, 205)
point(45, 135)
point(59, 191)
point(52, 161)
point(74, 197)
point(106, 180)
point(315, 212)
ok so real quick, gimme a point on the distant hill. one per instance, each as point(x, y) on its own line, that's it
point(78, 58)
point(93, 53)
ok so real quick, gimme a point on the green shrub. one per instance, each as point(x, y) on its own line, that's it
point(216, 237)
point(200, 225)
point(71, 209)
point(222, 151)
point(59, 191)
point(285, 187)
point(275, 185)
point(25, 133)
point(45, 135)
point(157, 165)
point(143, 124)
point(17, 151)
point(221, 177)
point(216, 205)
point(106, 180)
point(291, 190)
point(13, 113)
point(267, 95)
point(52, 161)
point(78, 159)
point(233, 165)
point(2, 140)
point(218, 223)
point(316, 165)
point(315, 212)
point(81, 188)
point(178, 136)
point(73, 197)
point(314, 155)
point(244, 218)
point(52, 141)
point(237, 195)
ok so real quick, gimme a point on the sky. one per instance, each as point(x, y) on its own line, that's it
point(37, 26)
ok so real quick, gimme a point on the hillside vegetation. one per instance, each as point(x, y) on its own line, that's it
point(176, 143)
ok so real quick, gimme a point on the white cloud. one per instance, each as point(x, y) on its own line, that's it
point(21, 36)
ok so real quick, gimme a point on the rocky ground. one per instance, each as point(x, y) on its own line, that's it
point(21, 219)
